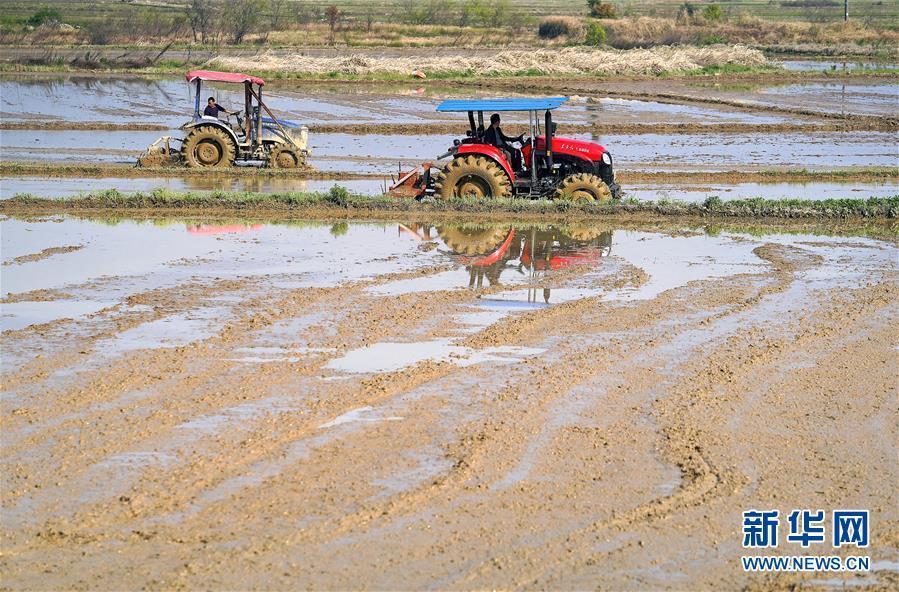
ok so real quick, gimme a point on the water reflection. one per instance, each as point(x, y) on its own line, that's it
point(494, 255)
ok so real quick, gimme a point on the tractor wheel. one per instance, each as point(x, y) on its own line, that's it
point(583, 187)
point(285, 157)
point(473, 240)
point(584, 233)
point(208, 147)
point(472, 177)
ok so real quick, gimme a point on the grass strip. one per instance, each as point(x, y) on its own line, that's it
point(339, 199)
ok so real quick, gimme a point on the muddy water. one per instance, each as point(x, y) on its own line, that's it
point(373, 394)
point(169, 102)
point(63, 187)
point(114, 258)
point(836, 65)
point(376, 153)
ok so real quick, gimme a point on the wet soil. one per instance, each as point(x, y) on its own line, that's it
point(444, 405)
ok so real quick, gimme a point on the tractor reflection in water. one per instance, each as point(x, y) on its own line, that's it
point(488, 251)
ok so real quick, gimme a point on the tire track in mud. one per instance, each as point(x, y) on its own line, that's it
point(482, 451)
point(701, 480)
point(687, 442)
point(259, 314)
point(472, 447)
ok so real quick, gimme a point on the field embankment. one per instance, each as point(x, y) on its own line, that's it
point(570, 61)
point(338, 201)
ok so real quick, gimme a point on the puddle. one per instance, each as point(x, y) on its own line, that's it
point(390, 356)
point(124, 257)
point(67, 187)
point(510, 269)
point(266, 355)
point(361, 414)
point(835, 65)
point(168, 332)
point(811, 191)
point(18, 315)
point(840, 97)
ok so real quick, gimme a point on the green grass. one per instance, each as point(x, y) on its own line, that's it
point(338, 198)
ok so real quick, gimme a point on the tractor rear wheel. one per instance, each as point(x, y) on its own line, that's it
point(208, 147)
point(583, 187)
point(584, 232)
point(473, 240)
point(472, 177)
point(285, 157)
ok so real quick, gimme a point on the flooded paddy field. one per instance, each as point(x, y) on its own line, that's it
point(380, 153)
point(260, 403)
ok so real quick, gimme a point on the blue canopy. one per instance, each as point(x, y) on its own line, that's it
point(502, 104)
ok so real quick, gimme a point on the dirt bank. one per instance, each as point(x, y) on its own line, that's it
point(338, 202)
point(88, 170)
point(562, 446)
point(565, 61)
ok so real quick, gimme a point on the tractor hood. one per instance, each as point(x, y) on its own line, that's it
point(588, 150)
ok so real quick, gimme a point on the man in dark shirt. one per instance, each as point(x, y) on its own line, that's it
point(495, 137)
point(213, 109)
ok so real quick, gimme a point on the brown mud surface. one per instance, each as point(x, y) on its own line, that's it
point(618, 453)
point(48, 252)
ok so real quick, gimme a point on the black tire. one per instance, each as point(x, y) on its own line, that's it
point(583, 187)
point(208, 147)
point(467, 240)
point(584, 233)
point(472, 177)
point(285, 157)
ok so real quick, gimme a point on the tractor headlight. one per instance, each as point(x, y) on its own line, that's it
point(606, 158)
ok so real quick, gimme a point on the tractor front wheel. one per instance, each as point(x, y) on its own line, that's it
point(472, 177)
point(473, 240)
point(583, 187)
point(208, 147)
point(285, 157)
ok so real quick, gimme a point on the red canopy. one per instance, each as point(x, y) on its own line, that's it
point(222, 77)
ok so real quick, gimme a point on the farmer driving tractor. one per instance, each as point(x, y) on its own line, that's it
point(213, 109)
point(495, 137)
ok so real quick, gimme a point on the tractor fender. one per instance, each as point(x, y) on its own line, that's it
point(213, 123)
point(488, 151)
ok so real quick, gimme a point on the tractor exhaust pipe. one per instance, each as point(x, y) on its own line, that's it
point(549, 140)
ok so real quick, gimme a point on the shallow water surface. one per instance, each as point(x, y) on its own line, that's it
point(518, 267)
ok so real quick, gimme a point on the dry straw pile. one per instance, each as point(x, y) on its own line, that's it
point(567, 61)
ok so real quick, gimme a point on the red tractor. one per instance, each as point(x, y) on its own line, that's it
point(546, 166)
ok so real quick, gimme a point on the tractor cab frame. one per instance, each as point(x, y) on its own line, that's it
point(526, 179)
